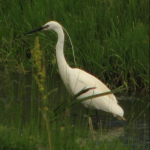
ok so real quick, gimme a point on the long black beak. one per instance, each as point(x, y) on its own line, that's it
point(38, 29)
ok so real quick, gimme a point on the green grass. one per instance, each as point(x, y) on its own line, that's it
point(68, 138)
point(21, 126)
point(110, 38)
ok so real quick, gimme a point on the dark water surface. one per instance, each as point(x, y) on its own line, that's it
point(16, 93)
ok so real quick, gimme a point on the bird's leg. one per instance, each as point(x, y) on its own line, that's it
point(97, 116)
point(90, 124)
point(87, 111)
point(91, 127)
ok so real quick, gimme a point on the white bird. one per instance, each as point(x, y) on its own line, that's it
point(76, 79)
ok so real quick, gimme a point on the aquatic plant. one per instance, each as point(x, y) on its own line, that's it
point(39, 76)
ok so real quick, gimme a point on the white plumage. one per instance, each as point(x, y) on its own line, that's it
point(76, 79)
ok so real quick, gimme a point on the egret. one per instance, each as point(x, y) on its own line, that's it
point(76, 79)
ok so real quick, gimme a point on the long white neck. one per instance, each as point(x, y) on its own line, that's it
point(62, 64)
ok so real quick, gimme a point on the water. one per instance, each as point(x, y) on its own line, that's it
point(16, 93)
point(135, 130)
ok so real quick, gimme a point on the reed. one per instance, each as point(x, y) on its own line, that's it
point(110, 39)
point(20, 126)
point(39, 76)
point(19, 132)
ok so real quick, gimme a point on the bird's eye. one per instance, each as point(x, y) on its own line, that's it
point(46, 26)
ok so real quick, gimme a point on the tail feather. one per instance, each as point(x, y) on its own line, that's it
point(120, 118)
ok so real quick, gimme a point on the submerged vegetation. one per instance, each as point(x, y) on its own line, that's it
point(110, 40)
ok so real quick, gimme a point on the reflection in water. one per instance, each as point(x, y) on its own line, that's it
point(133, 132)
point(100, 136)
point(112, 134)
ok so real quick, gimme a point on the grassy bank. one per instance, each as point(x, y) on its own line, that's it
point(110, 38)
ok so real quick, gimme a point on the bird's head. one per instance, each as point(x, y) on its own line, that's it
point(51, 25)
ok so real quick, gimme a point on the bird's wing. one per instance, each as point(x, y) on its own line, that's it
point(80, 79)
point(102, 103)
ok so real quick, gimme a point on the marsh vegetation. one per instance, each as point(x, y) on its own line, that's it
point(110, 40)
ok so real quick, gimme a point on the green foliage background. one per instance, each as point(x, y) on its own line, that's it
point(110, 37)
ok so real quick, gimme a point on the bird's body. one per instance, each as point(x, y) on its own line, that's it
point(76, 79)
